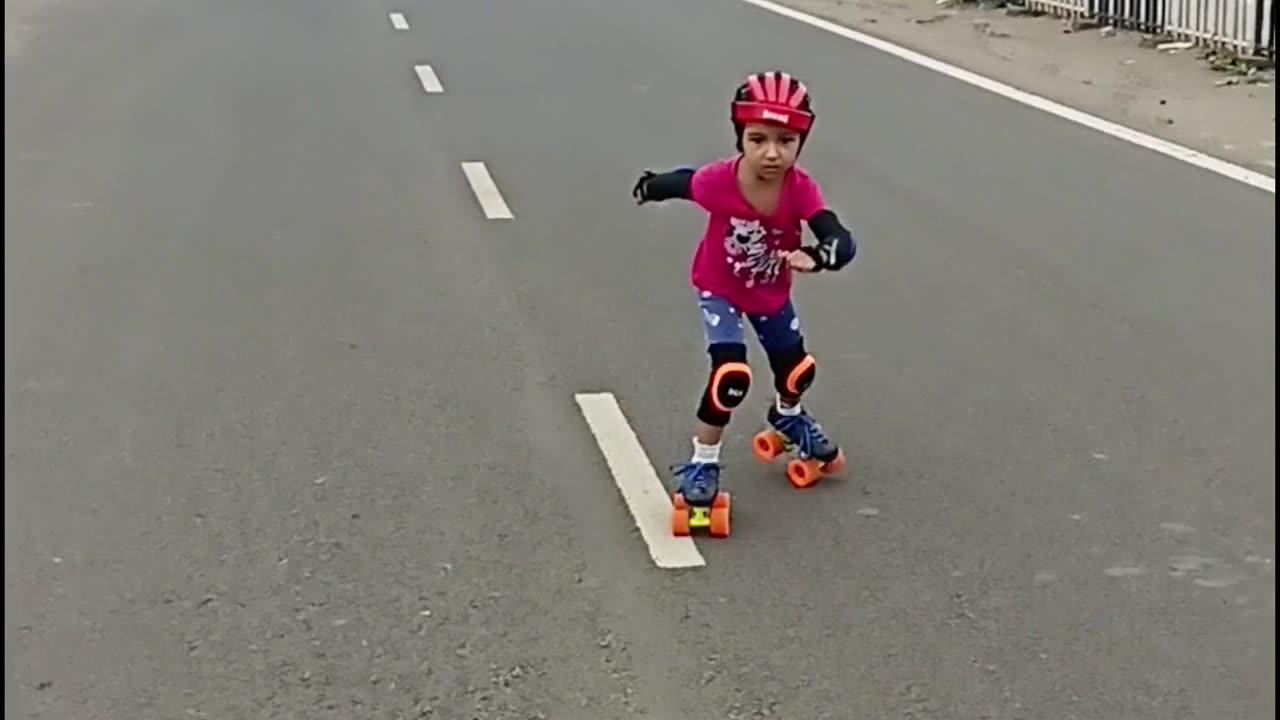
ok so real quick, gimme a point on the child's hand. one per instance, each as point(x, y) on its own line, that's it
point(639, 192)
point(800, 261)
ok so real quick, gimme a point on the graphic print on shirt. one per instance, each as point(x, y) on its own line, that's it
point(750, 254)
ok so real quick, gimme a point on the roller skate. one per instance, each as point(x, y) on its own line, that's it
point(813, 453)
point(698, 501)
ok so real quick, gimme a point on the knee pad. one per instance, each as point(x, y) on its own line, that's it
point(728, 385)
point(794, 370)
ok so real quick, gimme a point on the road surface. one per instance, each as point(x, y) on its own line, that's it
point(290, 422)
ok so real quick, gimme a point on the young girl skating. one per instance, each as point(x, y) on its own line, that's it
point(742, 268)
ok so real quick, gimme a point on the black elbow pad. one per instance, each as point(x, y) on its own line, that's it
point(836, 246)
point(655, 187)
point(677, 184)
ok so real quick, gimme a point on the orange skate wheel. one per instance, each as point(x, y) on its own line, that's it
point(767, 446)
point(803, 473)
point(720, 516)
point(680, 521)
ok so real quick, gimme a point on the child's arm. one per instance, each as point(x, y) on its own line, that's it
point(836, 246)
point(656, 187)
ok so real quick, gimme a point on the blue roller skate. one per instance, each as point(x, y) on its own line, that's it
point(698, 501)
point(814, 454)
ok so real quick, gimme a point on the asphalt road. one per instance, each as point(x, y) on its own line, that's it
point(290, 429)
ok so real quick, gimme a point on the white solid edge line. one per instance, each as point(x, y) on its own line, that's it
point(636, 479)
point(486, 191)
point(1164, 147)
point(427, 76)
point(398, 22)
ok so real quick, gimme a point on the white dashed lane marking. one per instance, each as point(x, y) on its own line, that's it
point(486, 191)
point(427, 76)
point(398, 22)
point(645, 496)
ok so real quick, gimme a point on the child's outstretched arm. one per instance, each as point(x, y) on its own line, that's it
point(836, 246)
point(656, 187)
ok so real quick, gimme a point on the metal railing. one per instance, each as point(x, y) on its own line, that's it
point(1244, 26)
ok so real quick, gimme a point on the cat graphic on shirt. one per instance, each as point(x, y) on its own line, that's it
point(749, 252)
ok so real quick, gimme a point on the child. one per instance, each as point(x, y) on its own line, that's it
point(742, 267)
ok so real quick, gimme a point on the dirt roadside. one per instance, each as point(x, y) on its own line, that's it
point(1176, 95)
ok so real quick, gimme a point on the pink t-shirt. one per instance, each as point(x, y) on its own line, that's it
point(738, 257)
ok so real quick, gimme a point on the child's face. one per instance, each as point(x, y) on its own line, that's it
point(769, 150)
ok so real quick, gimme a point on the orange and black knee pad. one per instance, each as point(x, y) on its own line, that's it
point(728, 385)
point(794, 370)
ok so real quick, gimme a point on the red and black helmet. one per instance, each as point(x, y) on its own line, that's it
point(772, 97)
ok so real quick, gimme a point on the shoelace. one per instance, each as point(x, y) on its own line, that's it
point(699, 479)
point(811, 435)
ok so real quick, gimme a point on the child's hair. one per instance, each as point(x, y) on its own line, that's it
point(772, 97)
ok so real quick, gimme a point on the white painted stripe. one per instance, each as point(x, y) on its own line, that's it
point(1164, 147)
point(646, 498)
point(398, 22)
point(428, 78)
point(495, 208)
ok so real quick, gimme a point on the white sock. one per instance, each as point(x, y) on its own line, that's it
point(705, 453)
point(784, 410)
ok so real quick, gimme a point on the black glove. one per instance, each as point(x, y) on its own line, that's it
point(640, 191)
point(656, 187)
point(819, 260)
point(831, 253)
